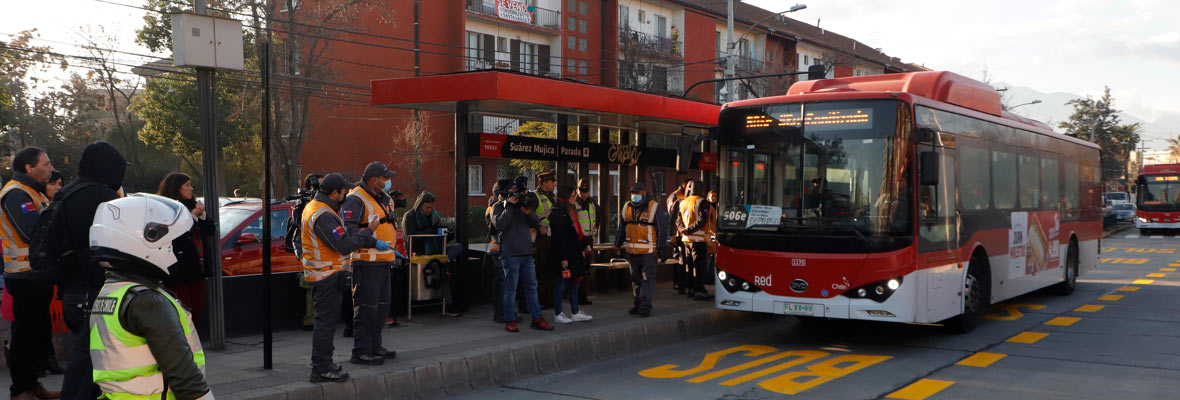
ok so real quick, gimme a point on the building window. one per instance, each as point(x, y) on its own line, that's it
point(528, 62)
point(661, 26)
point(584, 26)
point(806, 59)
point(584, 8)
point(583, 44)
point(571, 65)
point(572, 42)
point(474, 45)
point(571, 5)
point(624, 17)
point(475, 180)
point(572, 24)
point(642, 17)
point(582, 67)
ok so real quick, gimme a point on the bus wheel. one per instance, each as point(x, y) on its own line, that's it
point(1067, 286)
point(976, 298)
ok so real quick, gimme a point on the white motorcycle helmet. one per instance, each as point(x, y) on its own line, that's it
point(139, 229)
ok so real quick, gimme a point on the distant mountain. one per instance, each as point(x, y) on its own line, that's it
point(1053, 109)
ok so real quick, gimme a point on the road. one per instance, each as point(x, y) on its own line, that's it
point(1117, 336)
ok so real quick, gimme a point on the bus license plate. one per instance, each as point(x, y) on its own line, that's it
point(798, 309)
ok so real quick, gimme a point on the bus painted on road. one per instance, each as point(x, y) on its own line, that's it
point(1158, 198)
point(904, 197)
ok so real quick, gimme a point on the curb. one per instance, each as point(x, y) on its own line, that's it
point(497, 366)
point(1116, 231)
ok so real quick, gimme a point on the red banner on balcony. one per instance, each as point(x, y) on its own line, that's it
point(514, 10)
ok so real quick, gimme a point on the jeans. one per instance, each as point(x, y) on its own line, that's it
point(370, 292)
point(520, 269)
point(565, 288)
point(79, 380)
point(31, 331)
point(327, 295)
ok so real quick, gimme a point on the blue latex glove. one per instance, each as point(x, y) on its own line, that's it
point(383, 245)
point(398, 254)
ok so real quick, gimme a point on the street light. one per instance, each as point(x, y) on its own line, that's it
point(731, 57)
point(1025, 104)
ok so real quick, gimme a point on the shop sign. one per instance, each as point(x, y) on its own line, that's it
point(514, 10)
point(494, 145)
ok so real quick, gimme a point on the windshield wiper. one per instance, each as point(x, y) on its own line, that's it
point(856, 231)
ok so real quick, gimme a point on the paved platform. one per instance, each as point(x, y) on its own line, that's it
point(438, 357)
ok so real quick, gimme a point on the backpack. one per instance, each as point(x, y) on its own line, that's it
point(294, 240)
point(49, 244)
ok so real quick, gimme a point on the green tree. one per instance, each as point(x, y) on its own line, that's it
point(1174, 149)
point(1098, 121)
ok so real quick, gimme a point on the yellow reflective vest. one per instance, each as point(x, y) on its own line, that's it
point(319, 260)
point(689, 215)
point(16, 251)
point(586, 217)
point(641, 229)
point(124, 367)
point(385, 231)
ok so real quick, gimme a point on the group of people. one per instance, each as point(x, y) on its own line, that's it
point(115, 262)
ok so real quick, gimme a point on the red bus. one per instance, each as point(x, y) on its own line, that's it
point(1157, 200)
point(905, 197)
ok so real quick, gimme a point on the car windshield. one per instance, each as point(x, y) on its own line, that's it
point(1124, 206)
point(230, 218)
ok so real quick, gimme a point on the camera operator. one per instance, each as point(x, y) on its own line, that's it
point(311, 183)
point(371, 287)
point(514, 221)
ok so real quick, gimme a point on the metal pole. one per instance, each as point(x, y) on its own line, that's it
point(209, 149)
point(730, 58)
point(267, 329)
point(462, 121)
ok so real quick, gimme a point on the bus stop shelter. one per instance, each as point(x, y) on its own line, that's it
point(681, 126)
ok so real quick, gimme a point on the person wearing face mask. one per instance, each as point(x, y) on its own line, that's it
point(327, 246)
point(371, 265)
point(642, 232)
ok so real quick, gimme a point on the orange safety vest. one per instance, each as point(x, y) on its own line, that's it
point(493, 245)
point(319, 260)
point(16, 251)
point(688, 214)
point(641, 236)
point(384, 232)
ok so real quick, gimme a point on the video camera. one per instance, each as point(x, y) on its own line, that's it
point(398, 200)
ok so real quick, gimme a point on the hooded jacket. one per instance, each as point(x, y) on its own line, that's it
point(416, 223)
point(101, 163)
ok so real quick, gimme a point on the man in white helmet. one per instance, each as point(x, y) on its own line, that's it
point(143, 342)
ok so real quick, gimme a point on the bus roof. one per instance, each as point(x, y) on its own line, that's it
point(1156, 169)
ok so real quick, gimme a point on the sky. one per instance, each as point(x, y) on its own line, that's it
point(1072, 46)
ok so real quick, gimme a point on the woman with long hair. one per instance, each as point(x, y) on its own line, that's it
point(186, 278)
point(568, 262)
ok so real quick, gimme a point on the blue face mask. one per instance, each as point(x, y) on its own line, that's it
point(636, 198)
point(388, 185)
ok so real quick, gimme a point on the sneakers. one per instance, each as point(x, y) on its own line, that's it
point(541, 325)
point(367, 359)
point(330, 376)
point(562, 319)
point(511, 327)
point(581, 317)
point(386, 354)
point(633, 311)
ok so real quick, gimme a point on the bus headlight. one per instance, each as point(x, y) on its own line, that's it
point(893, 284)
point(721, 275)
point(733, 283)
point(876, 291)
point(1143, 220)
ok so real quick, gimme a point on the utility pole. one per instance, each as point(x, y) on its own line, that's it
point(212, 240)
point(730, 58)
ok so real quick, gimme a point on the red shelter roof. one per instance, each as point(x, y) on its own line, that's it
point(517, 94)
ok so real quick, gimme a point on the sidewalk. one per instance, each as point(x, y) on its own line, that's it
point(439, 357)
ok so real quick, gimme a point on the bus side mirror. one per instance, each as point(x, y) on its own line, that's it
point(927, 135)
point(928, 168)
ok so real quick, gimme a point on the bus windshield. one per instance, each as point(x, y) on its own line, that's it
point(833, 168)
point(1159, 193)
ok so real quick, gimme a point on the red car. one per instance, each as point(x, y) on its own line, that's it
point(241, 232)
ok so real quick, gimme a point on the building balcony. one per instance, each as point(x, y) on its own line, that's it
point(534, 16)
point(648, 44)
point(651, 78)
point(745, 65)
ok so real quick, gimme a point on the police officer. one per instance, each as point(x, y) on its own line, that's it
point(694, 224)
point(21, 201)
point(545, 200)
point(371, 285)
point(142, 341)
point(587, 211)
point(326, 249)
point(642, 232)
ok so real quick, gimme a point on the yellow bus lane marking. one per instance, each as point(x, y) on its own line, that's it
point(920, 390)
point(981, 359)
point(1011, 311)
point(1027, 337)
point(1117, 260)
point(1174, 265)
point(817, 368)
point(1168, 269)
point(1110, 297)
point(1142, 282)
point(1128, 289)
point(1156, 275)
point(1156, 251)
point(1088, 308)
point(1063, 321)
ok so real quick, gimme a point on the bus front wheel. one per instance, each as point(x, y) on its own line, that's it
point(976, 298)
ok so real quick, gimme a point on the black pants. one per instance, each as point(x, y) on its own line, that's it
point(496, 282)
point(371, 294)
point(697, 257)
point(541, 259)
point(326, 294)
point(79, 380)
point(31, 331)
